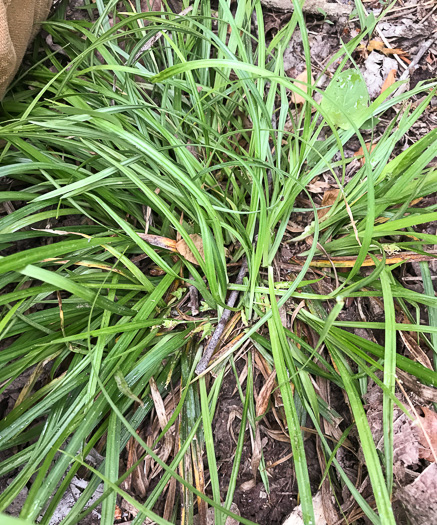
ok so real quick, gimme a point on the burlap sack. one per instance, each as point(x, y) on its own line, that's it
point(18, 25)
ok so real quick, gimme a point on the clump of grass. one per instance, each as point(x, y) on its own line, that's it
point(115, 130)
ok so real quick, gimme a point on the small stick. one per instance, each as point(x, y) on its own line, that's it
point(213, 342)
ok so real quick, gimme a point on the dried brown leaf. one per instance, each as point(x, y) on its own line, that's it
point(262, 365)
point(319, 186)
point(159, 404)
point(415, 350)
point(329, 198)
point(375, 45)
point(393, 51)
point(184, 250)
point(257, 447)
point(419, 497)
point(139, 481)
point(303, 77)
point(170, 499)
point(330, 509)
point(297, 517)
point(390, 80)
point(277, 435)
point(405, 444)
point(264, 396)
point(160, 242)
point(428, 435)
point(163, 420)
point(149, 462)
point(426, 393)
point(131, 455)
point(234, 413)
point(294, 227)
point(37, 372)
point(60, 232)
point(128, 507)
point(405, 433)
point(247, 485)
point(360, 152)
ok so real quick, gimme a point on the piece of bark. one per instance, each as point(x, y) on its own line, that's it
point(315, 7)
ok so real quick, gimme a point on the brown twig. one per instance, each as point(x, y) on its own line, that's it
point(218, 332)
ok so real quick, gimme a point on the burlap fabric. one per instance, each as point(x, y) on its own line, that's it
point(18, 25)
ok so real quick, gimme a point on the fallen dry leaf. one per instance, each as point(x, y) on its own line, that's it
point(160, 242)
point(257, 449)
point(264, 396)
point(184, 250)
point(405, 433)
point(329, 198)
point(376, 68)
point(294, 227)
point(360, 152)
point(60, 232)
point(248, 485)
point(393, 51)
point(37, 372)
point(426, 393)
point(132, 457)
point(303, 77)
point(419, 497)
point(296, 517)
point(415, 349)
point(428, 435)
point(377, 45)
point(176, 246)
point(277, 435)
point(319, 186)
point(390, 80)
point(163, 420)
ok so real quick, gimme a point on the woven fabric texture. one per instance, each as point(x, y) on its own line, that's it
point(19, 23)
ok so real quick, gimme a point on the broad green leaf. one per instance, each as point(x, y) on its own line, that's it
point(346, 99)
